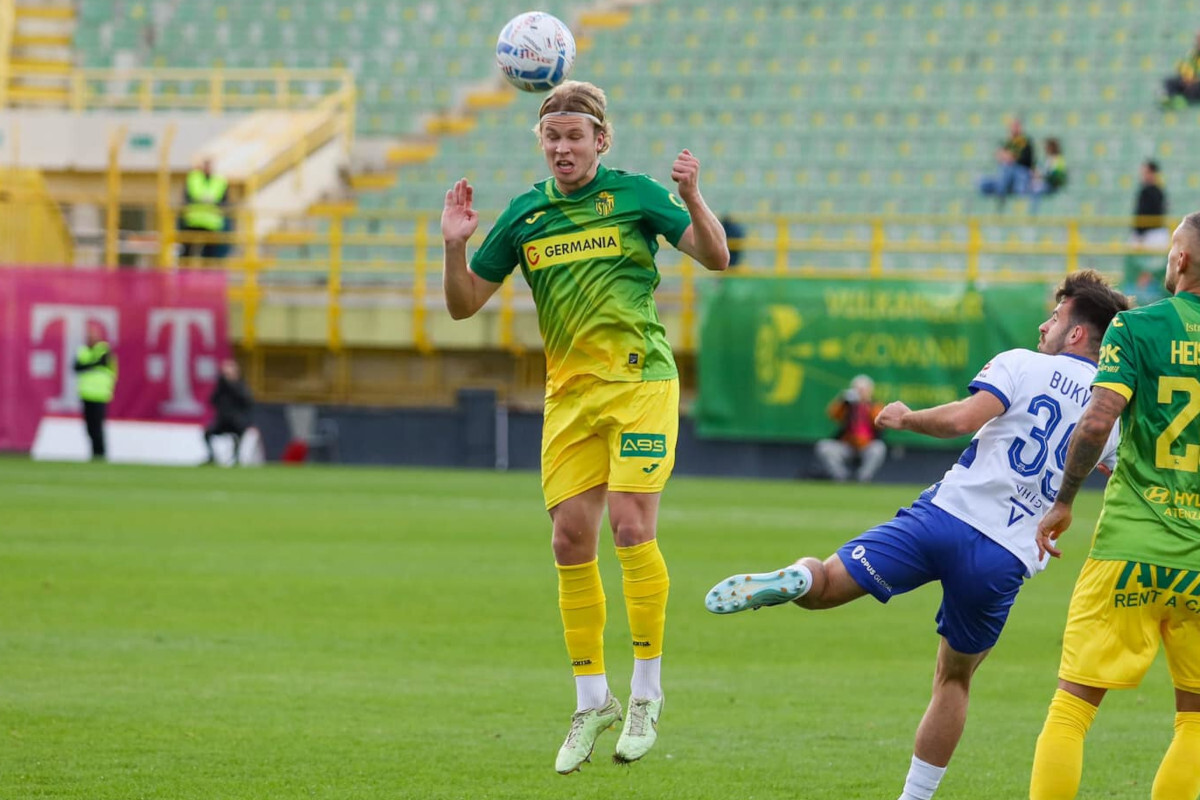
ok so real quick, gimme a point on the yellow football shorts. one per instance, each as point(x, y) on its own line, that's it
point(619, 434)
point(1120, 611)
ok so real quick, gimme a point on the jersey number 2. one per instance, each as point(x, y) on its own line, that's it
point(1163, 457)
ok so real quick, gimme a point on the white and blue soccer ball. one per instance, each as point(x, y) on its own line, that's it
point(535, 51)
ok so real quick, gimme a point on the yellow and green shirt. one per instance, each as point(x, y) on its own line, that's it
point(589, 259)
point(1151, 356)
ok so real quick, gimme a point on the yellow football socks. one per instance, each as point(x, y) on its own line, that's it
point(646, 586)
point(1178, 776)
point(1058, 759)
point(581, 601)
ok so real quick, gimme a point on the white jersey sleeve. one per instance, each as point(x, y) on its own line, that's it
point(1009, 475)
point(1000, 376)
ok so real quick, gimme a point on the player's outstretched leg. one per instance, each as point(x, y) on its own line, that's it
point(809, 583)
point(746, 591)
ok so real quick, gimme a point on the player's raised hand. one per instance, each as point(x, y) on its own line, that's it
point(892, 415)
point(686, 172)
point(459, 219)
point(1053, 525)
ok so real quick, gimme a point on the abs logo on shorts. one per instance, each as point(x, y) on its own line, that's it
point(643, 445)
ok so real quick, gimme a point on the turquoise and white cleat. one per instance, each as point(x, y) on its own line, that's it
point(586, 727)
point(640, 731)
point(753, 591)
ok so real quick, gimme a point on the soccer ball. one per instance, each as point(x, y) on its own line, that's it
point(535, 51)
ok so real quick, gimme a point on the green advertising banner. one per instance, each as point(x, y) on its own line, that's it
point(775, 352)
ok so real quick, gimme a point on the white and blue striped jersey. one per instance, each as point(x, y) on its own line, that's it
point(1009, 475)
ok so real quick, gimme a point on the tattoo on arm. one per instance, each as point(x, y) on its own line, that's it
point(1087, 443)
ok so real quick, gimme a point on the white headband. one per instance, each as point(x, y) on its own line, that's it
point(583, 114)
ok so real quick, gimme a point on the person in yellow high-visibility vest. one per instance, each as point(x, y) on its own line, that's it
point(96, 379)
point(204, 195)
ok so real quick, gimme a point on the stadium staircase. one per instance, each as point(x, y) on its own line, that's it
point(38, 49)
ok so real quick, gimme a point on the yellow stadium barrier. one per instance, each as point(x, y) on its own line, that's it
point(32, 228)
point(172, 89)
point(340, 262)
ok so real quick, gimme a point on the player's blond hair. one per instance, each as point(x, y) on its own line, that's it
point(580, 97)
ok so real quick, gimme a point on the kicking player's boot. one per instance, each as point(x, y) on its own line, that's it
point(640, 731)
point(586, 726)
point(753, 591)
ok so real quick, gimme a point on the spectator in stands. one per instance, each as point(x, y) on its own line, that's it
point(857, 441)
point(232, 402)
point(96, 380)
point(1016, 161)
point(205, 198)
point(735, 235)
point(1149, 212)
point(1183, 87)
point(1053, 178)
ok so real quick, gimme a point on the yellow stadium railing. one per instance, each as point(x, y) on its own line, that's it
point(32, 228)
point(329, 248)
point(321, 257)
point(171, 89)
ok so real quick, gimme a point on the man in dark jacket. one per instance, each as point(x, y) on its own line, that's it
point(232, 401)
point(1150, 209)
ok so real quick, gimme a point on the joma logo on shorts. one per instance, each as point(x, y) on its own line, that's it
point(643, 445)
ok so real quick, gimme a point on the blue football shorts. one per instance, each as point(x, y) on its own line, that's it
point(980, 579)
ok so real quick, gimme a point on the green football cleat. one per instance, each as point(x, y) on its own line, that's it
point(640, 731)
point(752, 591)
point(586, 727)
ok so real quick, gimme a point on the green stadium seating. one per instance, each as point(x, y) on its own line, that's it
point(410, 56)
point(823, 106)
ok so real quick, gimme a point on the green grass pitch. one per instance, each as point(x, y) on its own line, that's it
point(360, 633)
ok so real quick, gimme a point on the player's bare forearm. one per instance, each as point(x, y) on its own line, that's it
point(708, 244)
point(1088, 440)
point(940, 422)
point(457, 283)
point(947, 421)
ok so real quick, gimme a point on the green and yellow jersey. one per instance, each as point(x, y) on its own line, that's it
point(1189, 67)
point(589, 259)
point(1151, 356)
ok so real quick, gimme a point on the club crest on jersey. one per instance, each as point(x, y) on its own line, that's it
point(605, 203)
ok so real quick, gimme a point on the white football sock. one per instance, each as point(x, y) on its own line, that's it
point(591, 691)
point(647, 678)
point(922, 781)
point(807, 573)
